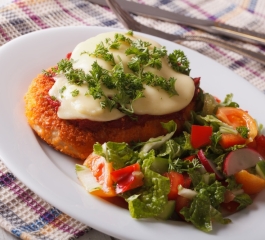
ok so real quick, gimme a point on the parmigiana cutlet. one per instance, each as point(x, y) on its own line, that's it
point(74, 131)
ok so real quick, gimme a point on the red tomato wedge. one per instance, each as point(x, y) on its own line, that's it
point(237, 117)
point(260, 140)
point(68, 55)
point(181, 202)
point(231, 207)
point(187, 180)
point(175, 180)
point(101, 170)
point(200, 135)
point(259, 145)
point(128, 178)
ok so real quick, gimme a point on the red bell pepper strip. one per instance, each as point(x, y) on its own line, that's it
point(200, 135)
point(127, 178)
point(117, 175)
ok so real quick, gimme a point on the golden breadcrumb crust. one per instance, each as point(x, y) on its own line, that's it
point(77, 141)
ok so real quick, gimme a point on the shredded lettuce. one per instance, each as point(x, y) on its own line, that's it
point(152, 199)
point(244, 200)
point(117, 153)
point(155, 143)
point(203, 209)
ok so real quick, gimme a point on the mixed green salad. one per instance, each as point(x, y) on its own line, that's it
point(212, 168)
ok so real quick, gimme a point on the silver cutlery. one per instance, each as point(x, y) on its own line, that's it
point(205, 25)
point(128, 22)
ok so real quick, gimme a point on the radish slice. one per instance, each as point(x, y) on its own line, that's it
point(209, 165)
point(241, 159)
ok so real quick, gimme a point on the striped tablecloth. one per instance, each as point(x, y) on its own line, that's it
point(22, 212)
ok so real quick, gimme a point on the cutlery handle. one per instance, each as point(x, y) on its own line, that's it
point(258, 57)
point(202, 24)
point(238, 33)
point(244, 52)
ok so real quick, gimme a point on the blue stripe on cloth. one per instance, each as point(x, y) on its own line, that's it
point(21, 25)
point(94, 11)
point(6, 179)
point(46, 216)
point(50, 215)
point(109, 23)
point(224, 11)
point(19, 225)
point(164, 2)
point(239, 63)
point(252, 6)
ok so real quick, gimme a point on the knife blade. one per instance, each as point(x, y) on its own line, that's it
point(202, 24)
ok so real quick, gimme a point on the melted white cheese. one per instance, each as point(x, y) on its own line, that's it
point(156, 101)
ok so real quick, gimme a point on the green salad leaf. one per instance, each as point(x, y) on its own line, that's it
point(204, 206)
point(117, 153)
point(244, 200)
point(152, 198)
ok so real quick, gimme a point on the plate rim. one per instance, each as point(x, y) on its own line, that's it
point(141, 225)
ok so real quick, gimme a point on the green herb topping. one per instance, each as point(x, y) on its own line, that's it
point(75, 93)
point(243, 131)
point(179, 62)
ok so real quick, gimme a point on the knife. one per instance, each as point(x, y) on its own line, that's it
point(205, 25)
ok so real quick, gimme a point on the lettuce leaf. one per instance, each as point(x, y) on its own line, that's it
point(203, 207)
point(199, 213)
point(215, 192)
point(117, 153)
point(155, 143)
point(152, 198)
point(244, 200)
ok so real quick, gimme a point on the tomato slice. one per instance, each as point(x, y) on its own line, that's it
point(200, 135)
point(187, 180)
point(175, 180)
point(101, 170)
point(260, 145)
point(231, 207)
point(237, 117)
point(181, 202)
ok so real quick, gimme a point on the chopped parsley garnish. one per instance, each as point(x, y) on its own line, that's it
point(179, 62)
point(243, 131)
point(130, 33)
point(102, 51)
point(128, 86)
point(46, 73)
point(75, 93)
point(62, 89)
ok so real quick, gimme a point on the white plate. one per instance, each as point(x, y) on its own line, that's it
point(51, 175)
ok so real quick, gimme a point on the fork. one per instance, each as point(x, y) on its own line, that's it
point(131, 24)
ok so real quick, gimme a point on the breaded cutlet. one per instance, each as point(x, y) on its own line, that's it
point(76, 137)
